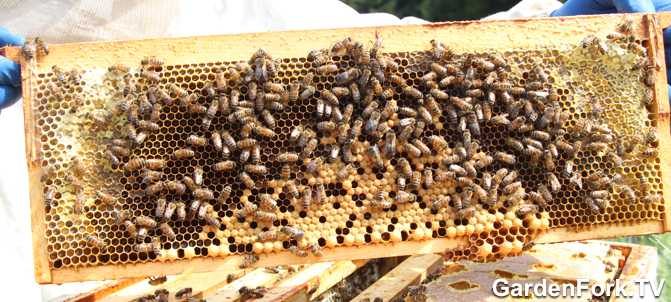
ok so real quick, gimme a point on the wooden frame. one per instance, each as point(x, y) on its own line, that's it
point(461, 36)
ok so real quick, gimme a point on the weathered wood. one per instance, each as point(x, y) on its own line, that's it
point(109, 288)
point(394, 284)
point(202, 284)
point(641, 264)
point(230, 292)
point(312, 281)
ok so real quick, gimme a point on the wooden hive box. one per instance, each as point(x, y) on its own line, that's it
point(61, 127)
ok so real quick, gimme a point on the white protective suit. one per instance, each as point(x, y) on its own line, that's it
point(89, 20)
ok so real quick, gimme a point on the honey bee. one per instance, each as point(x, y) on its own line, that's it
point(169, 211)
point(291, 189)
point(548, 161)
point(466, 213)
point(287, 157)
point(505, 158)
point(148, 126)
point(154, 246)
point(436, 93)
point(628, 192)
point(515, 144)
point(247, 293)
point(326, 69)
point(540, 135)
point(180, 211)
point(151, 76)
point(120, 216)
point(438, 143)
point(512, 187)
point(161, 205)
point(405, 197)
point(267, 203)
point(314, 164)
point(344, 172)
point(264, 132)
point(203, 194)
point(404, 167)
point(327, 126)
point(390, 144)
point(347, 76)
point(307, 92)
point(167, 231)
point(196, 141)
point(189, 183)
point(594, 206)
point(135, 164)
point(28, 50)
point(298, 252)
point(267, 98)
point(193, 209)
point(145, 221)
point(650, 136)
point(373, 121)
point(222, 166)
point(292, 232)
point(248, 208)
point(625, 27)
point(387, 94)
point(439, 51)
point(329, 97)
point(554, 183)
point(501, 119)
point(380, 201)
point(265, 216)
point(526, 209)
point(334, 153)
point(196, 108)
point(355, 131)
point(184, 293)
point(130, 227)
point(320, 193)
point(247, 180)
point(94, 241)
point(118, 69)
point(296, 133)
point(151, 62)
point(133, 113)
point(428, 178)
point(256, 169)
point(424, 149)
point(246, 143)
point(315, 249)
point(652, 198)
point(374, 152)
point(515, 124)
point(270, 235)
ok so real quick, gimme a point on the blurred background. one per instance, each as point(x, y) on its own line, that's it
point(434, 10)
point(456, 10)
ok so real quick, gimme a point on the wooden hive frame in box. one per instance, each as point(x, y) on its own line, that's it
point(460, 36)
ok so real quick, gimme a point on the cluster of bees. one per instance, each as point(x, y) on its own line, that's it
point(370, 116)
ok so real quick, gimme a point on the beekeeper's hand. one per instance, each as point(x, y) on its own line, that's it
point(10, 72)
point(593, 7)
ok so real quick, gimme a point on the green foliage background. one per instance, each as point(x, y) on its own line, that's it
point(434, 10)
point(454, 10)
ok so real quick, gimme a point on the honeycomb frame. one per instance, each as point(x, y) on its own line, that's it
point(461, 36)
